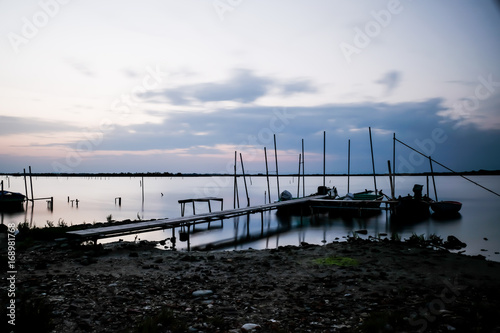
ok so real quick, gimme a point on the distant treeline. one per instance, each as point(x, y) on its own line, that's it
point(179, 174)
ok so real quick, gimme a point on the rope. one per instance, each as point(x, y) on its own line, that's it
point(456, 173)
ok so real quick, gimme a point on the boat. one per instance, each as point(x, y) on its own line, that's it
point(446, 207)
point(413, 207)
point(11, 200)
point(364, 203)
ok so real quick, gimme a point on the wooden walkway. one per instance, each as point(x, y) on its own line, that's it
point(136, 227)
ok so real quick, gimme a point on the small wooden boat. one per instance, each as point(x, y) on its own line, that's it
point(364, 203)
point(446, 207)
point(414, 207)
point(11, 200)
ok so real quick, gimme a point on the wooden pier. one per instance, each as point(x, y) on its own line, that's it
point(183, 221)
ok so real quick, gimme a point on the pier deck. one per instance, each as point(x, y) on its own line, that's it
point(125, 229)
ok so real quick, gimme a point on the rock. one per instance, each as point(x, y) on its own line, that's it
point(453, 243)
point(202, 293)
point(250, 327)
point(362, 231)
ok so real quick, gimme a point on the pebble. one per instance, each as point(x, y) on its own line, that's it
point(202, 293)
point(250, 327)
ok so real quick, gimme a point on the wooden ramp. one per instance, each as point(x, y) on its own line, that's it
point(136, 227)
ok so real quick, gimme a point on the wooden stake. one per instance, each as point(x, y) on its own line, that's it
point(324, 157)
point(276, 158)
point(31, 184)
point(373, 160)
point(433, 181)
point(298, 178)
point(244, 180)
point(303, 171)
point(267, 176)
point(348, 164)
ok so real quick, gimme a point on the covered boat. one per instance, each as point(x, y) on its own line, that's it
point(446, 207)
point(11, 200)
point(357, 204)
point(413, 207)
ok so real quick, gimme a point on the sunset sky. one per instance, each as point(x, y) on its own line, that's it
point(178, 86)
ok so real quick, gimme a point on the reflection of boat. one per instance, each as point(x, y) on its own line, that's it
point(11, 200)
point(446, 207)
point(415, 207)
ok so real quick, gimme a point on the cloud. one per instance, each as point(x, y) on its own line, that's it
point(80, 67)
point(299, 86)
point(20, 125)
point(390, 80)
point(243, 86)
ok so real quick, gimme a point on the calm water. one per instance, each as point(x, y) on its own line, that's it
point(480, 214)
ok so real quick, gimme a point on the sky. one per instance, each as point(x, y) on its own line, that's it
point(179, 86)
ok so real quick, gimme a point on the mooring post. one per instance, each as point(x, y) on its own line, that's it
point(31, 185)
point(298, 177)
point(348, 164)
point(303, 171)
point(26, 185)
point(373, 160)
point(324, 158)
point(267, 176)
point(276, 158)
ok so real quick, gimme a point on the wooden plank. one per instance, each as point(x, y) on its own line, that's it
point(115, 230)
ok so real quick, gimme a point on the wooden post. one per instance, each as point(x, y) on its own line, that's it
point(244, 180)
point(267, 176)
point(26, 185)
point(298, 177)
point(394, 161)
point(390, 178)
point(276, 158)
point(348, 164)
point(303, 171)
point(142, 189)
point(373, 160)
point(324, 158)
point(433, 181)
point(31, 184)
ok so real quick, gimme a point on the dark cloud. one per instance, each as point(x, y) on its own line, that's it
point(21, 125)
point(414, 123)
point(299, 86)
point(244, 86)
point(390, 81)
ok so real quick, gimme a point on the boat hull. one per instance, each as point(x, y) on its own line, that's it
point(11, 200)
point(446, 207)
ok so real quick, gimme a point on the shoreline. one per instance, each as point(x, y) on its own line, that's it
point(179, 174)
point(354, 286)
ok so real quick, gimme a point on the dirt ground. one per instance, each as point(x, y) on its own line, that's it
point(354, 286)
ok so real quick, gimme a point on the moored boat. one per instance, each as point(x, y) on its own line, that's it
point(413, 207)
point(446, 207)
point(11, 200)
point(357, 204)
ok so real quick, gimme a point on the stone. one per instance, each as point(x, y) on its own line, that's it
point(250, 327)
point(202, 293)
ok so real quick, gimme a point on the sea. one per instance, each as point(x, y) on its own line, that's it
point(89, 200)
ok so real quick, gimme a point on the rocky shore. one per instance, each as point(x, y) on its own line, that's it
point(353, 286)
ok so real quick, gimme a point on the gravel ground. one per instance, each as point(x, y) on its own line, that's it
point(354, 286)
